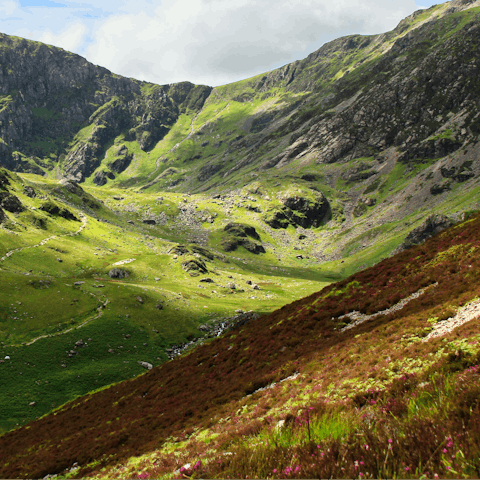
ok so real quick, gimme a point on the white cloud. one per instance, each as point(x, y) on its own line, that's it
point(204, 41)
point(9, 7)
point(215, 41)
point(70, 38)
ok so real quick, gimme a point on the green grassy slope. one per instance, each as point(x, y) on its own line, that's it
point(340, 381)
point(56, 289)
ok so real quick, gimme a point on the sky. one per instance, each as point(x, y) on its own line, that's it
point(210, 42)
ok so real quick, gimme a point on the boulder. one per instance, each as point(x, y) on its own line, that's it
point(117, 273)
point(29, 191)
point(146, 365)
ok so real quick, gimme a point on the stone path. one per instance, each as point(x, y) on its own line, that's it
point(465, 314)
point(360, 317)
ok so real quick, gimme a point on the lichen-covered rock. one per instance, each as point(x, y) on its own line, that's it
point(237, 236)
point(300, 211)
point(242, 230)
point(193, 264)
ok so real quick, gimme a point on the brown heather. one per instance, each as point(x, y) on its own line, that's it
point(421, 417)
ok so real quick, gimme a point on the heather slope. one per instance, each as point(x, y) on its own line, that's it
point(210, 399)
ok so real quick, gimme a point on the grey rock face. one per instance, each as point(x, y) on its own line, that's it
point(11, 203)
point(48, 93)
point(431, 226)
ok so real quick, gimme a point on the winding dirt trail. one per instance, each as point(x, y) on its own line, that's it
point(88, 320)
point(45, 240)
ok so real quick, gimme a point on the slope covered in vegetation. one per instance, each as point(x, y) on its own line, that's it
point(392, 375)
point(89, 289)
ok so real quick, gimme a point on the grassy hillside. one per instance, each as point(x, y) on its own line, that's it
point(56, 288)
point(359, 372)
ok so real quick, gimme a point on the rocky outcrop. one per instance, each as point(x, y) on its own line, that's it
point(299, 211)
point(194, 266)
point(4, 179)
point(213, 330)
point(242, 230)
point(431, 226)
point(118, 273)
point(237, 236)
point(101, 177)
point(50, 94)
point(52, 208)
point(11, 203)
